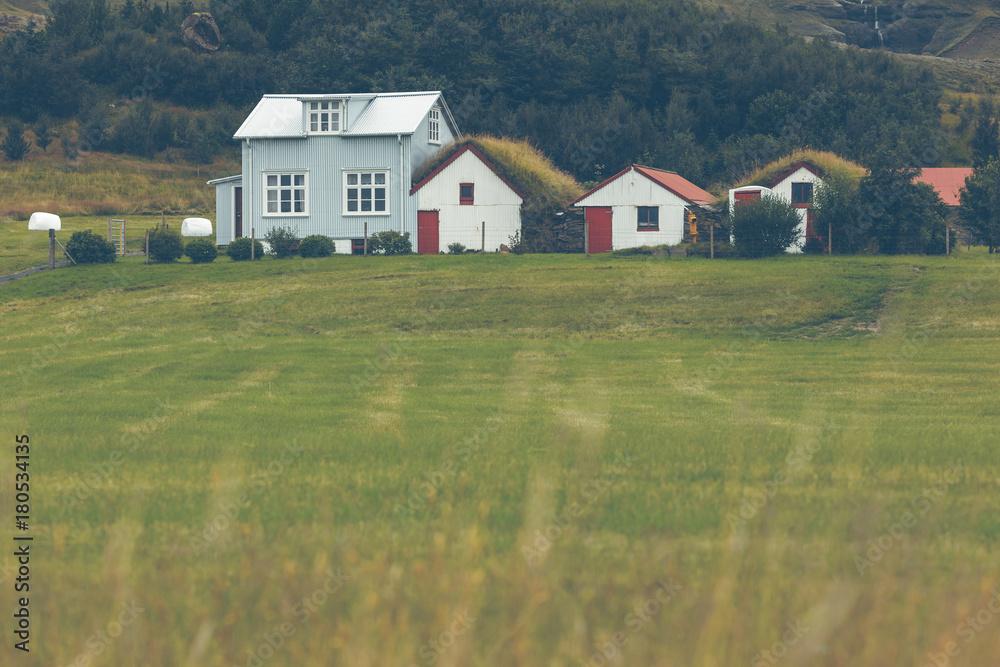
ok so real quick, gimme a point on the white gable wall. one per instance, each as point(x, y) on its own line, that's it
point(496, 205)
point(783, 189)
point(624, 195)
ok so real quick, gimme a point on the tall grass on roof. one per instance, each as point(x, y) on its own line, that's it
point(521, 163)
point(829, 163)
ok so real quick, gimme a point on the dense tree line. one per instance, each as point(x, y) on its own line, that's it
point(596, 84)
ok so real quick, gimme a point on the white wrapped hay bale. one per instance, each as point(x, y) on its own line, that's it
point(44, 221)
point(196, 227)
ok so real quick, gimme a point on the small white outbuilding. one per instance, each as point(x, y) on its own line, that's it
point(463, 196)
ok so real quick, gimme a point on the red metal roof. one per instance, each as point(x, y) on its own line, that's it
point(946, 180)
point(675, 183)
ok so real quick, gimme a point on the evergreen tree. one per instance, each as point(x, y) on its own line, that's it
point(980, 203)
point(14, 145)
point(985, 136)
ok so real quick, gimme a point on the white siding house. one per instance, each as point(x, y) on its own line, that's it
point(639, 206)
point(796, 185)
point(461, 197)
point(332, 164)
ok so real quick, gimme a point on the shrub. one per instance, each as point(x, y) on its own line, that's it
point(201, 251)
point(456, 248)
point(764, 227)
point(390, 243)
point(281, 241)
point(516, 243)
point(814, 246)
point(165, 245)
point(317, 245)
point(89, 248)
point(239, 250)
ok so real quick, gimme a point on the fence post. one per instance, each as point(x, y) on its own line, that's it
point(484, 236)
point(109, 230)
point(366, 239)
point(147, 246)
point(253, 244)
point(711, 240)
point(52, 249)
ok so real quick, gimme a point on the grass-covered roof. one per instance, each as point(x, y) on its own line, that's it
point(827, 162)
point(518, 161)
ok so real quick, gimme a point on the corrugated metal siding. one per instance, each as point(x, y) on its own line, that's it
point(224, 212)
point(423, 149)
point(496, 205)
point(325, 159)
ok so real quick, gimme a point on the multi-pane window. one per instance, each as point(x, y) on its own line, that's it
point(466, 193)
point(285, 194)
point(802, 193)
point(434, 126)
point(324, 116)
point(365, 192)
point(649, 218)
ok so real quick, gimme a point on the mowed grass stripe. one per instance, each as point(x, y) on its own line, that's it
point(709, 374)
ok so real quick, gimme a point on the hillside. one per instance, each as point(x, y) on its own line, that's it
point(595, 85)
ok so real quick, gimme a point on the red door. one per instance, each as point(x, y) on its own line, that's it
point(743, 197)
point(427, 233)
point(599, 228)
point(238, 212)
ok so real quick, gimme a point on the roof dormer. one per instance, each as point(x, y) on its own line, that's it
point(324, 116)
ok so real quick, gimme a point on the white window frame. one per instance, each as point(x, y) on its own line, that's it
point(375, 175)
point(314, 110)
point(292, 187)
point(434, 126)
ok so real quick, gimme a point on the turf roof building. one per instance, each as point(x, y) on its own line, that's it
point(466, 199)
point(796, 185)
point(330, 164)
point(639, 206)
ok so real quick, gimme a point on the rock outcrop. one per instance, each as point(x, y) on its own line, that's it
point(201, 32)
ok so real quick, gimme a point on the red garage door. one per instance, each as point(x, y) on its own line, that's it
point(743, 197)
point(427, 233)
point(599, 228)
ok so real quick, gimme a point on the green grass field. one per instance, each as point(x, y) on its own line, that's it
point(493, 460)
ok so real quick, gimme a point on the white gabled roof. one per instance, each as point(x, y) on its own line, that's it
point(277, 116)
point(274, 116)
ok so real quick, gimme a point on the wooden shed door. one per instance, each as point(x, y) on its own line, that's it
point(599, 228)
point(427, 232)
point(743, 197)
point(238, 213)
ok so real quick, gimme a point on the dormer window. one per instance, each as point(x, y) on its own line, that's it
point(324, 117)
point(434, 125)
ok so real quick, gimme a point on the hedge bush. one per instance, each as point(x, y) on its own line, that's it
point(456, 248)
point(764, 227)
point(239, 250)
point(89, 248)
point(317, 245)
point(201, 251)
point(281, 240)
point(390, 243)
point(165, 245)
